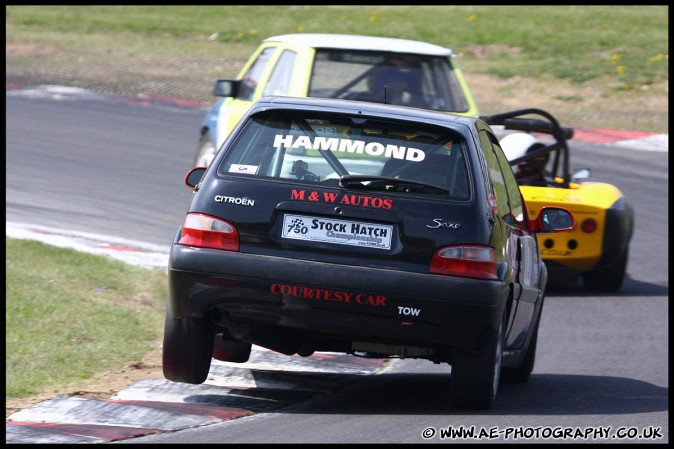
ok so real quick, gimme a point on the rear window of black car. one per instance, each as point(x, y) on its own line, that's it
point(319, 148)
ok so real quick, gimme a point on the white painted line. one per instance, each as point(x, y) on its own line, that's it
point(128, 251)
point(658, 143)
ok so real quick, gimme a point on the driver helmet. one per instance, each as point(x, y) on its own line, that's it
point(517, 145)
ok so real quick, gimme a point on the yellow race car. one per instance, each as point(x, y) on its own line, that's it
point(597, 250)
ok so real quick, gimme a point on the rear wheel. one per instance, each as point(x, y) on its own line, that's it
point(521, 373)
point(227, 349)
point(475, 377)
point(607, 278)
point(188, 349)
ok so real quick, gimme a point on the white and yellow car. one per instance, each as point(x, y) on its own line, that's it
point(337, 66)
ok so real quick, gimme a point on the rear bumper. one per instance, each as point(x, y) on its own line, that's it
point(258, 297)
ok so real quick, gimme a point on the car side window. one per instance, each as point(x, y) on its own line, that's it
point(442, 85)
point(512, 186)
point(279, 80)
point(252, 76)
point(496, 177)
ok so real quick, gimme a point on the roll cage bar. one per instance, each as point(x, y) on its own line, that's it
point(514, 120)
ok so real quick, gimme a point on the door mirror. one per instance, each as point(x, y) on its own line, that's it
point(226, 88)
point(194, 176)
point(553, 219)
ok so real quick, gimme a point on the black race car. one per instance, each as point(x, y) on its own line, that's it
point(368, 229)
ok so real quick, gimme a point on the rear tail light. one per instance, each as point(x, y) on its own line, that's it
point(471, 261)
point(208, 232)
point(589, 225)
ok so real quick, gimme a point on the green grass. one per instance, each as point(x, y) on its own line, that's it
point(70, 315)
point(578, 43)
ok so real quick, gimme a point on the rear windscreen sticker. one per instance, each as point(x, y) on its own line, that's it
point(349, 146)
point(240, 168)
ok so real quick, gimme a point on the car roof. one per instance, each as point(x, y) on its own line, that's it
point(358, 42)
point(349, 106)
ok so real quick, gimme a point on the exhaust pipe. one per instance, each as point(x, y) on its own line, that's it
point(287, 342)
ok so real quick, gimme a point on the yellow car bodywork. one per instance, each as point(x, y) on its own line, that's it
point(577, 249)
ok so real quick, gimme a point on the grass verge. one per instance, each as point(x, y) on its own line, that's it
point(71, 315)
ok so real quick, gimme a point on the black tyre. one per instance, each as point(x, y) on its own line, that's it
point(227, 349)
point(475, 377)
point(522, 373)
point(188, 349)
point(608, 278)
point(205, 151)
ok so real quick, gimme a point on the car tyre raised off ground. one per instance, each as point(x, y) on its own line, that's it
point(187, 350)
